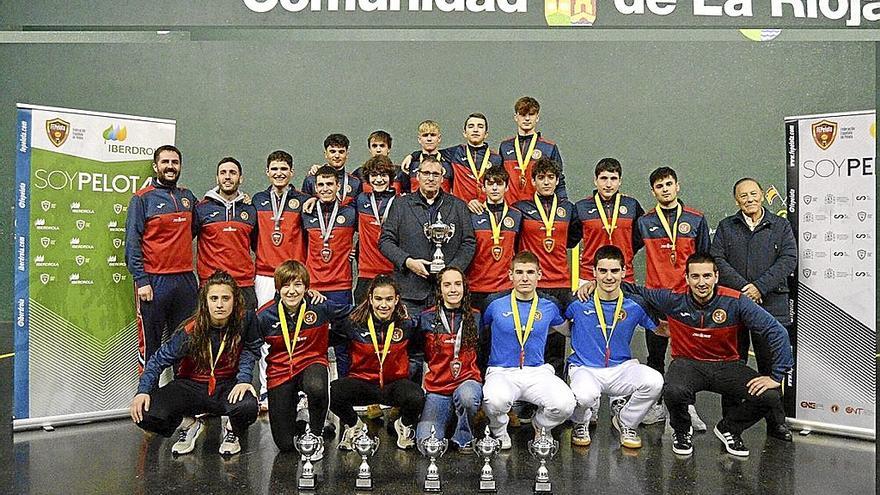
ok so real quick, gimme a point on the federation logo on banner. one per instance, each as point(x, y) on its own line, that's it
point(57, 130)
point(824, 133)
point(570, 12)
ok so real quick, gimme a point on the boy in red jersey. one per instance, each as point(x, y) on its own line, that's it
point(471, 160)
point(372, 210)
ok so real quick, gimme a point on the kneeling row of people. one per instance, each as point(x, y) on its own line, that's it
point(215, 352)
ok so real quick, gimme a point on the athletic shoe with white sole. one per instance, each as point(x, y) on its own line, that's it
point(350, 434)
point(657, 414)
point(733, 442)
point(629, 437)
point(682, 442)
point(580, 435)
point(186, 441)
point(230, 444)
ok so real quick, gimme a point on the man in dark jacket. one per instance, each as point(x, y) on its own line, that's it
point(756, 252)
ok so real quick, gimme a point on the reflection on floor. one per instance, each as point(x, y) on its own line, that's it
point(114, 458)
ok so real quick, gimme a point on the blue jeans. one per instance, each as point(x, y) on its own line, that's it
point(438, 408)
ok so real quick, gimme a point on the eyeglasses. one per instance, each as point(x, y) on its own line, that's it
point(431, 175)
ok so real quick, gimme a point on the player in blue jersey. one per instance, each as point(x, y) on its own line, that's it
point(519, 323)
point(602, 328)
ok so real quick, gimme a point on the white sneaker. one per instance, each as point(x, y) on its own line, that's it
point(696, 421)
point(350, 434)
point(230, 444)
point(657, 414)
point(186, 441)
point(629, 437)
point(405, 435)
point(580, 435)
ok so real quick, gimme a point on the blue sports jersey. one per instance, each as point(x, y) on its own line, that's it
point(505, 350)
point(587, 340)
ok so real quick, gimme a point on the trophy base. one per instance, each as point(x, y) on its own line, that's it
point(487, 486)
point(543, 487)
point(305, 484)
point(432, 486)
point(363, 484)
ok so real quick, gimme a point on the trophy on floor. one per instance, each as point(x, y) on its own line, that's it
point(433, 448)
point(438, 233)
point(365, 447)
point(486, 448)
point(307, 444)
point(543, 448)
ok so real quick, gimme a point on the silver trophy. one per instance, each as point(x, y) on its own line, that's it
point(365, 447)
point(543, 448)
point(307, 444)
point(439, 233)
point(433, 448)
point(486, 448)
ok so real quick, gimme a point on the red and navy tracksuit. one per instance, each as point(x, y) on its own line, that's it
point(370, 260)
point(304, 370)
point(520, 187)
point(331, 275)
point(489, 270)
point(705, 355)
point(363, 386)
point(159, 232)
point(595, 236)
point(292, 245)
point(439, 346)
point(227, 230)
point(188, 394)
point(660, 270)
point(465, 186)
point(347, 191)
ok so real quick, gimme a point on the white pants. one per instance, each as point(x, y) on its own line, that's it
point(265, 288)
point(538, 385)
point(643, 383)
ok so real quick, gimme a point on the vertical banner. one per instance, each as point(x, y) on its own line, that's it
point(832, 207)
point(75, 327)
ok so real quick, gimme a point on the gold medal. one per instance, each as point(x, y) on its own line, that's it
point(522, 334)
point(523, 163)
point(497, 252)
point(478, 174)
point(609, 227)
point(548, 221)
point(671, 232)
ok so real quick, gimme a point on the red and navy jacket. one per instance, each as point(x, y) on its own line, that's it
point(595, 236)
point(523, 190)
point(364, 361)
point(488, 271)
point(236, 362)
point(439, 345)
point(159, 231)
point(227, 230)
point(396, 181)
point(566, 234)
point(334, 273)
point(708, 332)
point(347, 191)
point(464, 185)
point(371, 261)
point(292, 243)
point(311, 345)
point(412, 172)
point(692, 237)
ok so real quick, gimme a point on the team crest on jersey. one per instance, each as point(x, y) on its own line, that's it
point(508, 222)
point(397, 336)
point(623, 210)
point(185, 202)
point(537, 154)
point(560, 212)
point(310, 317)
point(538, 316)
point(719, 316)
point(684, 228)
point(340, 219)
point(244, 215)
point(293, 204)
point(347, 188)
point(622, 315)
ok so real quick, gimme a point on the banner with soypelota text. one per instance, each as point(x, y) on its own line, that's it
point(74, 316)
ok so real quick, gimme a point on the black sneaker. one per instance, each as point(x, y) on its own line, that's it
point(682, 442)
point(733, 442)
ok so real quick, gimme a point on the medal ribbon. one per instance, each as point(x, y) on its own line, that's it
point(340, 194)
point(496, 225)
point(483, 166)
point(212, 382)
point(522, 335)
point(457, 347)
point(673, 233)
point(278, 209)
point(380, 356)
point(609, 228)
point(325, 229)
point(522, 165)
point(375, 207)
point(548, 221)
point(291, 344)
point(604, 326)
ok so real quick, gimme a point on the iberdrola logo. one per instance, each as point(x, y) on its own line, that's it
point(570, 12)
point(115, 133)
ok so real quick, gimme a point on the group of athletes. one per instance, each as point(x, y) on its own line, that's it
point(276, 288)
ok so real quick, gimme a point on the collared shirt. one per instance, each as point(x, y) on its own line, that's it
point(749, 221)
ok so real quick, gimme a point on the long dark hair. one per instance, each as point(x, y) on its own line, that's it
point(469, 336)
point(200, 338)
point(362, 313)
